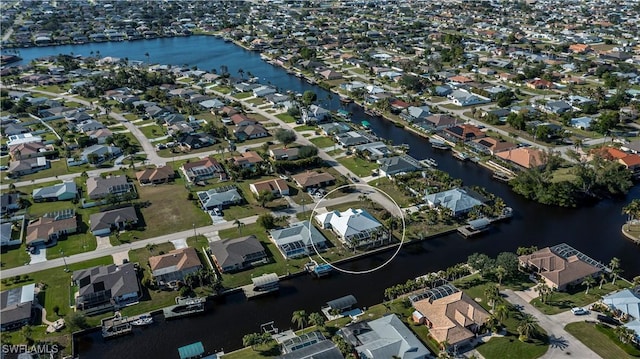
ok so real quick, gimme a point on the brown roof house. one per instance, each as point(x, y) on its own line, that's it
point(51, 227)
point(464, 132)
point(526, 157)
point(157, 175)
point(311, 179)
point(236, 254)
point(561, 266)
point(277, 186)
point(248, 159)
point(492, 146)
point(454, 318)
point(174, 265)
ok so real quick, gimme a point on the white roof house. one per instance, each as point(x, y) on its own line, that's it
point(299, 239)
point(626, 301)
point(458, 200)
point(353, 226)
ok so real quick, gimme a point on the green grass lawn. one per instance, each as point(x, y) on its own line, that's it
point(148, 131)
point(302, 128)
point(73, 244)
point(509, 347)
point(359, 166)
point(390, 188)
point(322, 142)
point(602, 340)
point(286, 118)
point(256, 101)
point(58, 168)
point(576, 297)
point(221, 89)
point(243, 95)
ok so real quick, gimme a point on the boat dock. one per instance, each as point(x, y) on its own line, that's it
point(184, 307)
point(460, 155)
point(115, 326)
point(474, 227)
point(264, 284)
point(318, 270)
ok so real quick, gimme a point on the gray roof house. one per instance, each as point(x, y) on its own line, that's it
point(236, 253)
point(102, 223)
point(315, 114)
point(102, 152)
point(58, 192)
point(15, 306)
point(398, 164)
point(89, 125)
point(330, 129)
point(311, 345)
point(458, 200)
point(30, 165)
point(374, 150)
point(384, 338)
point(415, 114)
point(351, 138)
point(297, 240)
point(104, 288)
point(557, 107)
point(219, 198)
point(354, 227)
point(98, 187)
point(9, 202)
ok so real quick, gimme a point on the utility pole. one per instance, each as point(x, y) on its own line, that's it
point(66, 268)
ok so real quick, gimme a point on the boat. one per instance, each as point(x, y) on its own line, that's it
point(370, 112)
point(142, 321)
point(460, 155)
point(440, 145)
point(346, 99)
point(366, 124)
point(344, 114)
point(501, 176)
point(431, 162)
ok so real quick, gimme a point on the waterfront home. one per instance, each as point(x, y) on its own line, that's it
point(415, 114)
point(353, 86)
point(203, 169)
point(276, 186)
point(398, 164)
point(373, 151)
point(51, 227)
point(353, 227)
point(263, 91)
point(384, 338)
point(219, 198)
point(249, 132)
point(298, 240)
point(28, 166)
point(9, 202)
point(175, 265)
point(236, 254)
point(280, 154)
point(561, 266)
point(98, 187)
point(158, 175)
point(490, 145)
point(105, 288)
point(351, 138)
point(103, 223)
point(64, 191)
point(315, 114)
point(452, 316)
point(312, 179)
point(464, 133)
point(247, 159)
point(16, 306)
point(333, 128)
point(526, 157)
point(307, 346)
point(439, 122)
point(626, 304)
point(458, 200)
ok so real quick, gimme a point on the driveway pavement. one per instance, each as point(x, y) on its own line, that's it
point(179, 243)
point(39, 255)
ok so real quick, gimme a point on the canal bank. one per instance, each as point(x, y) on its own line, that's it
point(595, 230)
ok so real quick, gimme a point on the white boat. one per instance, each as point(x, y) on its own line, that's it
point(431, 162)
point(142, 321)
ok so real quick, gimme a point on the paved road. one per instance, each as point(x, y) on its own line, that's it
point(561, 342)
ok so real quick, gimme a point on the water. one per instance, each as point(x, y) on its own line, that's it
point(594, 230)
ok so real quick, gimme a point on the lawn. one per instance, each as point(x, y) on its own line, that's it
point(305, 128)
point(221, 89)
point(601, 340)
point(509, 347)
point(58, 168)
point(575, 297)
point(243, 95)
point(14, 256)
point(152, 131)
point(359, 166)
point(74, 244)
point(322, 142)
point(286, 118)
point(256, 101)
point(390, 188)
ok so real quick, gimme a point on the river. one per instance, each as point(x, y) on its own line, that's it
point(594, 230)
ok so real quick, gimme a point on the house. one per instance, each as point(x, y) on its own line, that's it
point(626, 303)
point(235, 254)
point(561, 266)
point(263, 91)
point(557, 107)
point(27, 150)
point(103, 223)
point(13, 129)
point(194, 141)
point(240, 119)
point(583, 122)
point(22, 138)
point(28, 166)
point(384, 338)
point(298, 240)
point(100, 135)
point(466, 98)
point(451, 316)
point(250, 132)
point(51, 227)
point(374, 150)
point(9, 202)
point(354, 227)
point(175, 265)
point(315, 114)
point(439, 122)
point(458, 200)
point(308, 346)
point(247, 159)
point(96, 154)
point(312, 179)
point(203, 169)
point(398, 164)
point(526, 157)
point(6, 235)
point(58, 192)
point(16, 306)
point(540, 84)
point(280, 154)
point(415, 114)
point(351, 138)
point(98, 187)
point(158, 175)
point(329, 74)
point(105, 288)
point(464, 132)
point(334, 128)
point(278, 187)
point(219, 198)
point(89, 125)
point(492, 146)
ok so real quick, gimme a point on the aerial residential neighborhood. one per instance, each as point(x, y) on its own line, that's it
point(346, 179)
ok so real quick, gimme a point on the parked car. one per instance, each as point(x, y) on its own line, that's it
point(579, 311)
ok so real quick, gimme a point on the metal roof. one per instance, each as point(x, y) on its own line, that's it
point(194, 350)
point(264, 279)
point(343, 302)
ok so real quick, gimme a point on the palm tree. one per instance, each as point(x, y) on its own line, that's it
point(492, 293)
point(501, 313)
point(588, 281)
point(252, 340)
point(603, 279)
point(632, 210)
point(299, 318)
point(544, 291)
point(614, 265)
point(527, 326)
point(239, 225)
point(492, 323)
point(636, 281)
point(316, 319)
point(500, 273)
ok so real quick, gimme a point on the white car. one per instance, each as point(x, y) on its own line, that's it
point(579, 311)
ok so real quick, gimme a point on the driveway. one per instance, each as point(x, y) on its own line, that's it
point(179, 243)
point(103, 242)
point(39, 255)
point(561, 343)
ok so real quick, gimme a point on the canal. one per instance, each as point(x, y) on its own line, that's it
point(595, 230)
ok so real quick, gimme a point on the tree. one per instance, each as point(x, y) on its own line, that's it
point(509, 261)
point(267, 221)
point(56, 309)
point(77, 321)
point(345, 347)
point(286, 137)
point(614, 265)
point(501, 313)
point(603, 279)
point(500, 273)
point(308, 97)
point(632, 210)
point(264, 197)
point(492, 293)
point(588, 281)
point(252, 340)
point(316, 319)
point(299, 318)
point(544, 291)
point(527, 326)
point(239, 225)
point(636, 281)
point(27, 333)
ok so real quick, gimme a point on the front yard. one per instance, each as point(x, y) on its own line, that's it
point(576, 297)
point(602, 340)
point(359, 166)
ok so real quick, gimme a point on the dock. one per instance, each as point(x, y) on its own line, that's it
point(474, 227)
point(264, 284)
point(184, 307)
point(115, 326)
point(318, 270)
